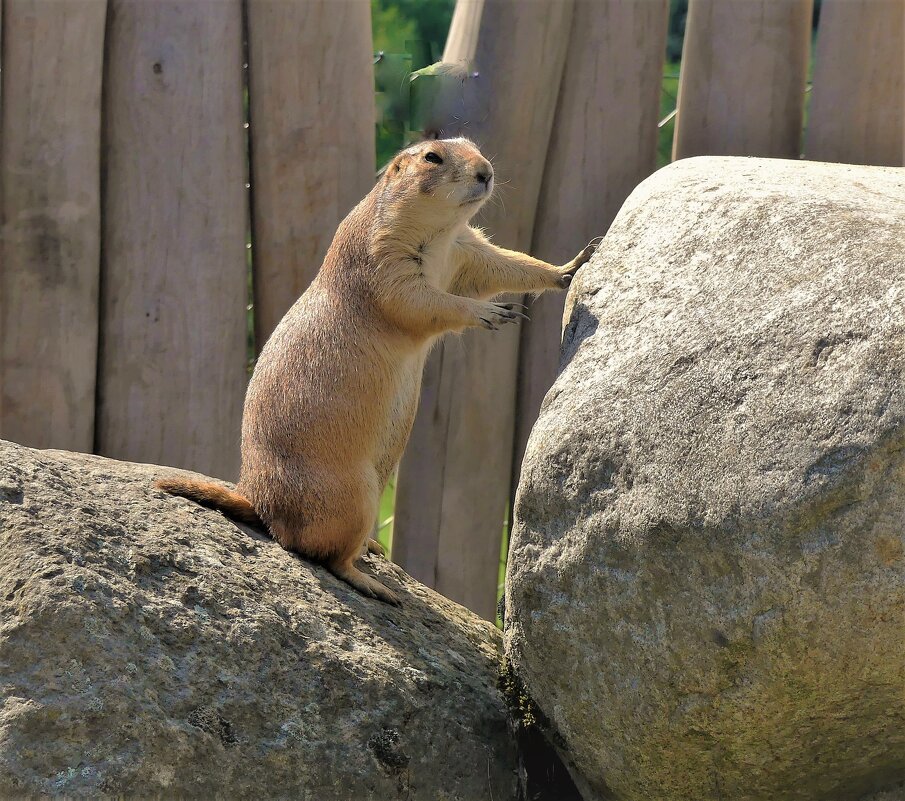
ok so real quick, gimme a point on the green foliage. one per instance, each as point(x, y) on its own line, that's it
point(391, 82)
point(668, 94)
point(410, 34)
point(417, 20)
point(675, 33)
point(391, 30)
point(385, 515)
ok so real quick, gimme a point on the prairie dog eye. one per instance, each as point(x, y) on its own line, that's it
point(432, 157)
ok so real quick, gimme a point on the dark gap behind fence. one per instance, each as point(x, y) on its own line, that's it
point(251, 347)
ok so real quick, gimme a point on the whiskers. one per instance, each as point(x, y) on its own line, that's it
point(499, 193)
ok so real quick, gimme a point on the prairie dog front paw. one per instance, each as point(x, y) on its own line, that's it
point(569, 270)
point(493, 315)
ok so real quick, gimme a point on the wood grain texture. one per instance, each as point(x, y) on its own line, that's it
point(174, 277)
point(461, 446)
point(50, 243)
point(858, 104)
point(742, 81)
point(311, 89)
point(604, 143)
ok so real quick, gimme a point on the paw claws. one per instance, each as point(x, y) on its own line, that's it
point(498, 314)
point(579, 261)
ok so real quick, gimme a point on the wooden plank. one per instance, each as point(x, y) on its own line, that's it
point(858, 102)
point(741, 86)
point(310, 77)
point(461, 446)
point(173, 352)
point(603, 144)
point(50, 197)
point(419, 485)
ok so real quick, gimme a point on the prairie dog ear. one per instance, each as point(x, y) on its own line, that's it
point(395, 165)
point(390, 168)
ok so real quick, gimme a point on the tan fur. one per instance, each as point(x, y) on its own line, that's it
point(213, 496)
point(333, 396)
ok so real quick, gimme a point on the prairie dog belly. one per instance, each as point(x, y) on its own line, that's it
point(400, 406)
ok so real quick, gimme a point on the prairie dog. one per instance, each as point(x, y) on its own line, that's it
point(333, 396)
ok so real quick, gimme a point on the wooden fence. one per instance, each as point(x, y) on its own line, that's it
point(134, 175)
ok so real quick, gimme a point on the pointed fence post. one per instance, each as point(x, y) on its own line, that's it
point(51, 228)
point(174, 274)
point(742, 81)
point(858, 103)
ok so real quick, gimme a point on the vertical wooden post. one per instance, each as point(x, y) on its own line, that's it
point(741, 86)
point(50, 236)
point(603, 144)
point(311, 89)
point(858, 102)
point(453, 483)
point(174, 277)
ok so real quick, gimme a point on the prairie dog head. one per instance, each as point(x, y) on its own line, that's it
point(446, 178)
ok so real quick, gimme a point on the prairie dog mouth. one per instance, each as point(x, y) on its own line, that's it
point(479, 193)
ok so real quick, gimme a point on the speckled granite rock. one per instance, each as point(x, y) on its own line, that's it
point(706, 591)
point(149, 647)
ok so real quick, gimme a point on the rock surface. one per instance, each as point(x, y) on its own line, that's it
point(150, 648)
point(706, 590)
point(896, 793)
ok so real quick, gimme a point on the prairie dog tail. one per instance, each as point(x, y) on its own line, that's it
point(213, 496)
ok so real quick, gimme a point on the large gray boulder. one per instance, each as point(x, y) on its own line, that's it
point(706, 587)
point(150, 648)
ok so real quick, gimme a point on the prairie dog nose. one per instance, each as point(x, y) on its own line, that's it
point(484, 173)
